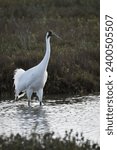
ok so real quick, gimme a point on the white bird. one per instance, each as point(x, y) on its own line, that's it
point(33, 80)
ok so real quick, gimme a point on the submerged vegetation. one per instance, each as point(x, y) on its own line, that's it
point(74, 63)
point(46, 142)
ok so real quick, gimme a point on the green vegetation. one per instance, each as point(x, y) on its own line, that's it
point(74, 64)
point(46, 142)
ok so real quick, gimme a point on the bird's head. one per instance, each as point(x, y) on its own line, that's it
point(51, 33)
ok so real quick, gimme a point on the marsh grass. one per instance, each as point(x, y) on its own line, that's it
point(47, 142)
point(74, 63)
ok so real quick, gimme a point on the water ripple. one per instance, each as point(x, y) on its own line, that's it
point(78, 113)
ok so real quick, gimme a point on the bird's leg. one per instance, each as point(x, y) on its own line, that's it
point(16, 95)
point(29, 103)
point(40, 96)
point(16, 98)
point(29, 94)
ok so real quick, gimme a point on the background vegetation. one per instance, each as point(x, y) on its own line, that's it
point(46, 142)
point(74, 64)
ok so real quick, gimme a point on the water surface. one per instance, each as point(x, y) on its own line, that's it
point(78, 113)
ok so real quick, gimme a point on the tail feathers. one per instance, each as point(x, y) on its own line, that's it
point(21, 95)
point(17, 74)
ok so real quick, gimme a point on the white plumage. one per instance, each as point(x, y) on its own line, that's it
point(33, 79)
point(17, 75)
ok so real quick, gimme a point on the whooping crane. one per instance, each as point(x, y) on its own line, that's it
point(33, 80)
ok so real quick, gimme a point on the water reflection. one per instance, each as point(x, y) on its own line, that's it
point(34, 118)
point(78, 113)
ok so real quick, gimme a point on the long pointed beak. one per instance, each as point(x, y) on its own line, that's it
point(56, 35)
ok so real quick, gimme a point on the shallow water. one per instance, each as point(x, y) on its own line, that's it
point(78, 113)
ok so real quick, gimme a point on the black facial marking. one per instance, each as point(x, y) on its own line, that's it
point(49, 34)
point(20, 93)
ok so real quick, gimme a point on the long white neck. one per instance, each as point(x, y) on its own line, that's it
point(46, 58)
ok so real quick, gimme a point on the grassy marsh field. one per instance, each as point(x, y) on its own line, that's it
point(74, 64)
